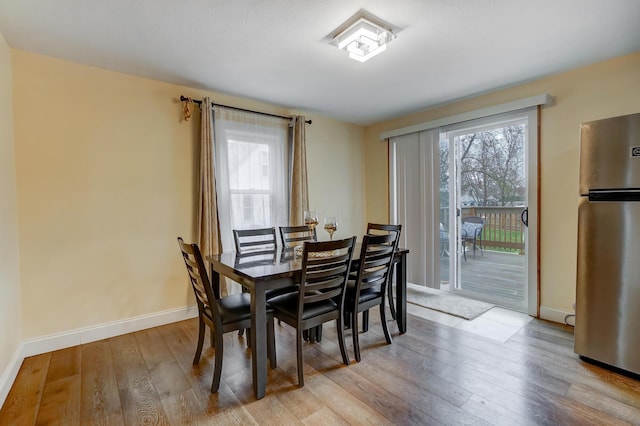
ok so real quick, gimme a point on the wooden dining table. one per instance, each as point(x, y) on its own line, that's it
point(259, 272)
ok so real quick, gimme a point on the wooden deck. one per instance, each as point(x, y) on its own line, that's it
point(493, 276)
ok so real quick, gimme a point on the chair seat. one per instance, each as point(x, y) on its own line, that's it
point(287, 304)
point(234, 308)
point(365, 294)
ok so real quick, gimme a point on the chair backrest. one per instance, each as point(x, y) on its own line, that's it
point(255, 240)
point(200, 283)
point(292, 236)
point(444, 235)
point(383, 229)
point(325, 269)
point(472, 225)
point(376, 258)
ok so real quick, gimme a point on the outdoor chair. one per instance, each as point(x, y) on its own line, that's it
point(472, 233)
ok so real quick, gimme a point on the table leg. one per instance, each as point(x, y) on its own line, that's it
point(401, 294)
point(215, 282)
point(259, 340)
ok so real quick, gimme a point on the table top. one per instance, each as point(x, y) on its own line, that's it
point(262, 265)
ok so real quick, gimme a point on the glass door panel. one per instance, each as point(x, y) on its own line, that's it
point(489, 197)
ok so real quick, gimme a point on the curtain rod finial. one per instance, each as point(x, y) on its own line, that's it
point(188, 107)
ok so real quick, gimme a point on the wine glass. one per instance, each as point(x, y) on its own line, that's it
point(311, 218)
point(330, 225)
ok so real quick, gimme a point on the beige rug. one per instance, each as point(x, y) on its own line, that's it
point(443, 301)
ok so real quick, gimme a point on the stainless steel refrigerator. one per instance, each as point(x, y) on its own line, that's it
point(607, 327)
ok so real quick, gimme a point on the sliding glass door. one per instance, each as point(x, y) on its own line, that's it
point(462, 195)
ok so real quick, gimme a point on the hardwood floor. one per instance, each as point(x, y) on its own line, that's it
point(434, 374)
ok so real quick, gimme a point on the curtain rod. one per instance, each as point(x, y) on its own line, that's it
point(199, 101)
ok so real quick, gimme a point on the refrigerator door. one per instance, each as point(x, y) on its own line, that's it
point(608, 283)
point(610, 153)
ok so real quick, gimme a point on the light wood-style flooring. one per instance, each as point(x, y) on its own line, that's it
point(434, 374)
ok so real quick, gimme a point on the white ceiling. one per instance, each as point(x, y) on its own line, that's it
point(278, 51)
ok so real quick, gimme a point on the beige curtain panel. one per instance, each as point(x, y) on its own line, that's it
point(208, 226)
point(299, 184)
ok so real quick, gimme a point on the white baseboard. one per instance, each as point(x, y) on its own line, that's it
point(553, 315)
point(83, 335)
point(10, 373)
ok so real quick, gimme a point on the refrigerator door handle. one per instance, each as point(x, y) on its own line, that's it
point(524, 217)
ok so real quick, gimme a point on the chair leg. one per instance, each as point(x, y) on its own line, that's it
point(365, 321)
point(343, 349)
point(354, 334)
point(271, 343)
point(300, 359)
point(383, 319)
point(201, 332)
point(392, 306)
point(217, 367)
point(248, 337)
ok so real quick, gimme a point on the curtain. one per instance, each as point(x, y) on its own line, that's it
point(299, 186)
point(251, 165)
point(415, 186)
point(208, 226)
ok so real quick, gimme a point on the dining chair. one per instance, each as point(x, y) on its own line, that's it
point(254, 240)
point(324, 273)
point(382, 229)
point(221, 315)
point(291, 236)
point(472, 233)
point(369, 287)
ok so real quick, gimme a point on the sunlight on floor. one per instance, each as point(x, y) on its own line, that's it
point(497, 323)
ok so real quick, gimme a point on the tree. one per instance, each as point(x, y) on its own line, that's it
point(492, 166)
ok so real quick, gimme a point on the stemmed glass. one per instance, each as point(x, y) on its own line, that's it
point(311, 218)
point(330, 225)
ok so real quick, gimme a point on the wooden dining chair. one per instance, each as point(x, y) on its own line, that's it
point(221, 315)
point(254, 240)
point(325, 268)
point(369, 287)
point(382, 229)
point(291, 236)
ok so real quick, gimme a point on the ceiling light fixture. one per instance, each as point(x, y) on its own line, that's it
point(364, 39)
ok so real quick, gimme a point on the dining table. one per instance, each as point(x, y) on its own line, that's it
point(277, 269)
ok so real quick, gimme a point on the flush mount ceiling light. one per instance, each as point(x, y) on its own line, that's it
point(364, 39)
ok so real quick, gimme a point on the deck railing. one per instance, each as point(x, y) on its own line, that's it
point(503, 229)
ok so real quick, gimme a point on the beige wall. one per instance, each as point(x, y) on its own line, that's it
point(598, 91)
point(105, 172)
point(10, 314)
point(336, 175)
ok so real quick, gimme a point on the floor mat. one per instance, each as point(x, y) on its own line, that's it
point(445, 302)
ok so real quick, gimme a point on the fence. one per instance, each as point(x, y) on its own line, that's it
point(503, 229)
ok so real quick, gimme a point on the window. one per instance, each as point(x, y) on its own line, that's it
point(251, 171)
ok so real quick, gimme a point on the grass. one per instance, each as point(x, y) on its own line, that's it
point(491, 238)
